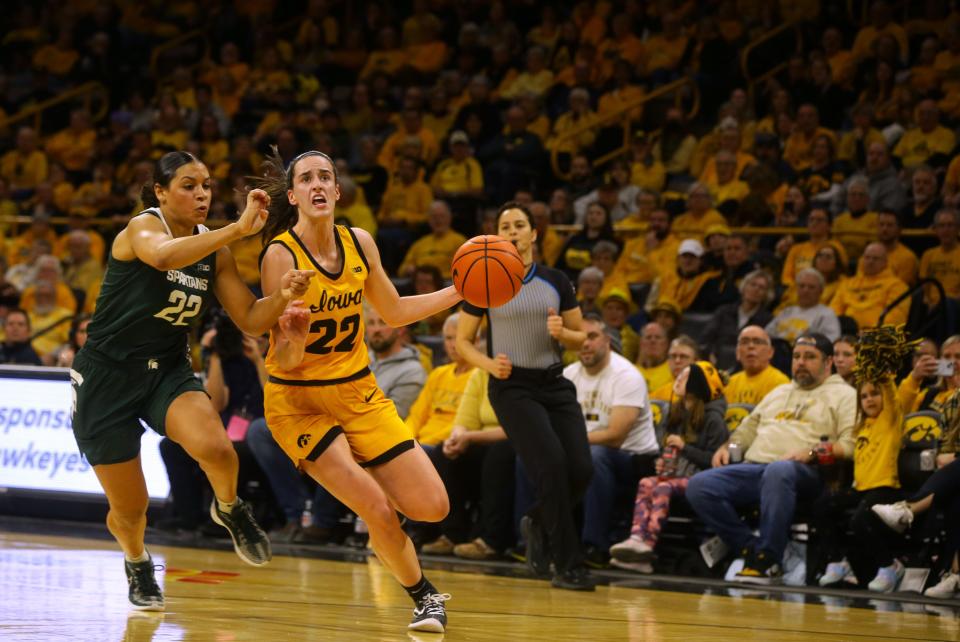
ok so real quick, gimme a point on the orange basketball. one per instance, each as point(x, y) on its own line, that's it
point(487, 271)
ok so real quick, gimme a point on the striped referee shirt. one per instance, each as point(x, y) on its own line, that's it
point(518, 329)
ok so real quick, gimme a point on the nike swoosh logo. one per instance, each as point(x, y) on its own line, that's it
point(370, 396)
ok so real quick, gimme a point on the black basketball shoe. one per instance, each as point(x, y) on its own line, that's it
point(537, 560)
point(249, 540)
point(429, 614)
point(145, 593)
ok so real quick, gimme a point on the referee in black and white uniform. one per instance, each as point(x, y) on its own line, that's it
point(535, 404)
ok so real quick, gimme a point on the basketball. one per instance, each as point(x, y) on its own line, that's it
point(487, 271)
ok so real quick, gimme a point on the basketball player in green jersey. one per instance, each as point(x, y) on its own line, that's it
point(163, 268)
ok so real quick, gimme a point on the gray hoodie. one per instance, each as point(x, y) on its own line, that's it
point(400, 376)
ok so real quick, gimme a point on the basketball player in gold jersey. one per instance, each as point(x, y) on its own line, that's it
point(322, 403)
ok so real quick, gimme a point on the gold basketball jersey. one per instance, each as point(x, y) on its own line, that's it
point(335, 350)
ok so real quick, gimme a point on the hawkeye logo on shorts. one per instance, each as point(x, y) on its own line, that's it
point(303, 440)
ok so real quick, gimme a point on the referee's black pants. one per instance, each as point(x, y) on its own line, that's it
point(538, 410)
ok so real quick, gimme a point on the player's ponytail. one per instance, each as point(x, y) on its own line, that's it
point(276, 180)
point(163, 172)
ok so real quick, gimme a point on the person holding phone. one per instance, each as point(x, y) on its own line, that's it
point(941, 376)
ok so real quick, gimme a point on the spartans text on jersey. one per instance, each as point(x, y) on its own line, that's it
point(185, 279)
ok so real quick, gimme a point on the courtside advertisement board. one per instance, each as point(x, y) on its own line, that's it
point(37, 448)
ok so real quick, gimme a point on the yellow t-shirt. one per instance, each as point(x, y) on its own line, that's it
point(687, 226)
point(408, 203)
point(24, 173)
point(73, 150)
point(878, 441)
point(847, 147)
point(683, 291)
point(360, 215)
point(649, 177)
point(49, 341)
point(431, 415)
point(799, 148)
point(657, 376)
point(943, 266)
point(864, 297)
point(915, 147)
point(454, 177)
point(475, 411)
point(903, 262)
point(746, 389)
point(430, 250)
point(801, 257)
point(854, 233)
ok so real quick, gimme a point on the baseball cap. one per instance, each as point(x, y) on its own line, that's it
point(618, 294)
point(690, 246)
point(717, 228)
point(666, 305)
point(459, 136)
point(817, 340)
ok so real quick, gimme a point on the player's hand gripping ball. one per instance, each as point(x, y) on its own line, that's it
point(487, 271)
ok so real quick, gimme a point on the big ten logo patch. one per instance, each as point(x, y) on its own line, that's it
point(197, 576)
point(922, 427)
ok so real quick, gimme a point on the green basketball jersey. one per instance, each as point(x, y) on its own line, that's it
point(145, 313)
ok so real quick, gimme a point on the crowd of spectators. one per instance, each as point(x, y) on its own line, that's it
point(437, 112)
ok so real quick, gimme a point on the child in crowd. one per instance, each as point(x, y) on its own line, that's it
point(695, 430)
point(878, 436)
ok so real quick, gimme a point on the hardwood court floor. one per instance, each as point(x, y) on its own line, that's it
point(61, 588)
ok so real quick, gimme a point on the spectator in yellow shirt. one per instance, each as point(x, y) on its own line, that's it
point(801, 255)
point(665, 49)
point(432, 414)
point(354, 208)
point(864, 296)
point(73, 147)
point(757, 377)
point(459, 179)
point(49, 322)
point(881, 23)
point(943, 262)
point(799, 148)
point(551, 243)
point(854, 144)
point(647, 257)
point(536, 78)
point(652, 358)
point(25, 166)
point(47, 269)
point(407, 198)
point(855, 227)
point(727, 188)
point(682, 352)
point(21, 248)
point(412, 126)
point(82, 268)
point(929, 142)
point(901, 259)
point(646, 172)
point(438, 247)
point(579, 115)
point(699, 215)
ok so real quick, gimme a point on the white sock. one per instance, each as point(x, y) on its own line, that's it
point(143, 557)
point(226, 507)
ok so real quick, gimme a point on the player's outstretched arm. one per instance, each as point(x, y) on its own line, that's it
point(396, 310)
point(291, 328)
point(146, 238)
point(256, 316)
